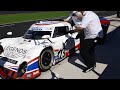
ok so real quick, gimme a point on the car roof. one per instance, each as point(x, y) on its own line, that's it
point(52, 23)
point(48, 25)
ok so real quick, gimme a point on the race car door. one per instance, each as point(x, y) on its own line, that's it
point(62, 41)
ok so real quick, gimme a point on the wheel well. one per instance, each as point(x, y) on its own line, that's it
point(19, 69)
point(41, 67)
point(48, 48)
point(22, 64)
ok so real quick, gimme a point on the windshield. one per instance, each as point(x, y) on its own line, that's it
point(30, 34)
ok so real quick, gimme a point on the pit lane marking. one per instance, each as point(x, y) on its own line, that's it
point(7, 25)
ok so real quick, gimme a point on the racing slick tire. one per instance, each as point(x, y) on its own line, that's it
point(46, 60)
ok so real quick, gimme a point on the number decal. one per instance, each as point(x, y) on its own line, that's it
point(61, 54)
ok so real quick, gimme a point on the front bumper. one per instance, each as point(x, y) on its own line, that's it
point(9, 74)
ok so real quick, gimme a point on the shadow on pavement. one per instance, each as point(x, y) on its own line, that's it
point(109, 54)
point(54, 76)
point(77, 56)
point(73, 58)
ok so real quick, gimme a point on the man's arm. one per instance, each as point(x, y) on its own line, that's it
point(78, 29)
point(70, 16)
point(67, 19)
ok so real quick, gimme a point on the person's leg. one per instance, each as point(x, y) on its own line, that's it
point(92, 53)
point(87, 52)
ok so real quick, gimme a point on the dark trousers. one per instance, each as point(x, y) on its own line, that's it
point(87, 51)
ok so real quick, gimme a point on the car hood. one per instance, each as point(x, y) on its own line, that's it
point(17, 49)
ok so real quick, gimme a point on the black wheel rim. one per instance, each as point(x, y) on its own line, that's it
point(46, 58)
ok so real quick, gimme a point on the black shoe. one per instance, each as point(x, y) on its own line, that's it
point(88, 69)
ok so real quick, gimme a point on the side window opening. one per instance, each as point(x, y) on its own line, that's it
point(60, 31)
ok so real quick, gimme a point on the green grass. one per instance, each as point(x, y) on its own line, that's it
point(21, 17)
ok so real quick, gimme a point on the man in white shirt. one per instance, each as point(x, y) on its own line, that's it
point(91, 27)
point(74, 18)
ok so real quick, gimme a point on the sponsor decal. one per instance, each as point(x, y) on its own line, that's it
point(36, 72)
point(56, 57)
point(8, 60)
point(40, 28)
point(29, 75)
point(14, 52)
point(36, 28)
point(61, 53)
point(15, 49)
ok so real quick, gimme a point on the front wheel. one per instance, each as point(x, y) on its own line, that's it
point(46, 59)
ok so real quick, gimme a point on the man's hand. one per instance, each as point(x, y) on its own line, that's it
point(66, 20)
point(74, 13)
point(71, 31)
point(78, 28)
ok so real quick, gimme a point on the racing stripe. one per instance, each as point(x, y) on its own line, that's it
point(77, 46)
point(33, 66)
point(15, 69)
point(33, 60)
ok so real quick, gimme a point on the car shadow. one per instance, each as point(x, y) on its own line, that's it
point(108, 53)
point(54, 76)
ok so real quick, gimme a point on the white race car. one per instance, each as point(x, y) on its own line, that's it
point(45, 44)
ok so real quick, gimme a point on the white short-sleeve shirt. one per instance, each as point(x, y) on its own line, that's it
point(91, 24)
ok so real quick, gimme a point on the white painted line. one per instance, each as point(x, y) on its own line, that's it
point(7, 25)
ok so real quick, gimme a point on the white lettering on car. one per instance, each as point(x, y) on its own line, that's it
point(14, 52)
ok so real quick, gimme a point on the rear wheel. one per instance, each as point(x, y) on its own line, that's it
point(46, 59)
